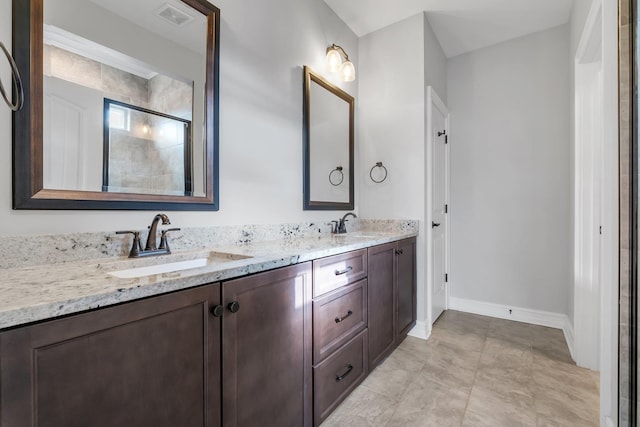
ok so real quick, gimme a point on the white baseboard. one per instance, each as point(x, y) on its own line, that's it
point(518, 314)
point(422, 330)
point(568, 336)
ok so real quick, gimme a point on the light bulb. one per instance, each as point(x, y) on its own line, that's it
point(348, 71)
point(333, 60)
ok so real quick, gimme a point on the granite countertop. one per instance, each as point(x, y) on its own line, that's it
point(39, 292)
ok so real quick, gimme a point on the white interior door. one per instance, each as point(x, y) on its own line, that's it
point(439, 203)
point(73, 136)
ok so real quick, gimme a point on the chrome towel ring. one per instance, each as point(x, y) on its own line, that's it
point(17, 83)
point(378, 165)
point(336, 179)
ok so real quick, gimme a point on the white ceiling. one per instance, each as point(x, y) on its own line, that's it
point(460, 25)
point(142, 13)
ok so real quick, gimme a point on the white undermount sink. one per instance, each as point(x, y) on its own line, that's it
point(172, 267)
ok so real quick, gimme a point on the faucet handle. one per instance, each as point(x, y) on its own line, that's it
point(164, 244)
point(334, 227)
point(136, 247)
point(168, 230)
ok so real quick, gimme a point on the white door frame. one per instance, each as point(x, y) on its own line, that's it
point(601, 27)
point(434, 101)
point(588, 185)
point(610, 217)
point(588, 206)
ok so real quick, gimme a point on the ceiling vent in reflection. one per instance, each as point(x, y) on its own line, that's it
point(173, 15)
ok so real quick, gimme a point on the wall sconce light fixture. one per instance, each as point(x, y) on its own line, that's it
point(334, 63)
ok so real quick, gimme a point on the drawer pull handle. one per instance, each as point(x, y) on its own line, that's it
point(343, 376)
point(345, 271)
point(340, 319)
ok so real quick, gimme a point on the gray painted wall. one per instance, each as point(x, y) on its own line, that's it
point(263, 48)
point(435, 62)
point(510, 182)
point(391, 123)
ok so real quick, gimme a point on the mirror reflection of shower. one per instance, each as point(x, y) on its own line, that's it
point(145, 151)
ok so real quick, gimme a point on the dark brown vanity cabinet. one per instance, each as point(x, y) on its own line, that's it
point(392, 296)
point(339, 329)
point(406, 289)
point(282, 347)
point(266, 352)
point(164, 361)
point(153, 362)
point(381, 302)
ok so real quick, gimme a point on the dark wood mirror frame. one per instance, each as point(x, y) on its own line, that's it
point(309, 204)
point(28, 191)
point(629, 360)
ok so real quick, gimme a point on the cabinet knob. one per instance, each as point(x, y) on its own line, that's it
point(234, 306)
point(217, 311)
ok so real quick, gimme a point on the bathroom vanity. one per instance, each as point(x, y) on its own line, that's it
point(267, 344)
point(253, 332)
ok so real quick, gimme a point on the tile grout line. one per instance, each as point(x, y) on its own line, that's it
point(397, 405)
point(521, 388)
point(475, 374)
point(533, 381)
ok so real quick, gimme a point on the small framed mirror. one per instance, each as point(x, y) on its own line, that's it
point(328, 145)
point(121, 104)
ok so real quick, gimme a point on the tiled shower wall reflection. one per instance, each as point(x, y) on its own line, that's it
point(148, 158)
point(159, 93)
point(112, 82)
point(147, 155)
point(625, 112)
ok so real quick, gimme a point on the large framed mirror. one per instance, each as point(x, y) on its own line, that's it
point(328, 145)
point(121, 104)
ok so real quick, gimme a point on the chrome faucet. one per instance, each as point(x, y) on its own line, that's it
point(150, 248)
point(341, 227)
point(153, 230)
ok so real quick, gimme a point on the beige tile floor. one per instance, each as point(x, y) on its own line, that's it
point(476, 371)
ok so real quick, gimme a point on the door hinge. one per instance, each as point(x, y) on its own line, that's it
point(600, 229)
point(446, 208)
point(446, 139)
point(446, 278)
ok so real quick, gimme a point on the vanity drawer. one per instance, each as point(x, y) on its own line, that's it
point(337, 317)
point(335, 271)
point(337, 376)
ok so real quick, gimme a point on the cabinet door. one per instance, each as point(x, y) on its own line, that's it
point(405, 288)
point(266, 362)
point(153, 362)
point(381, 302)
